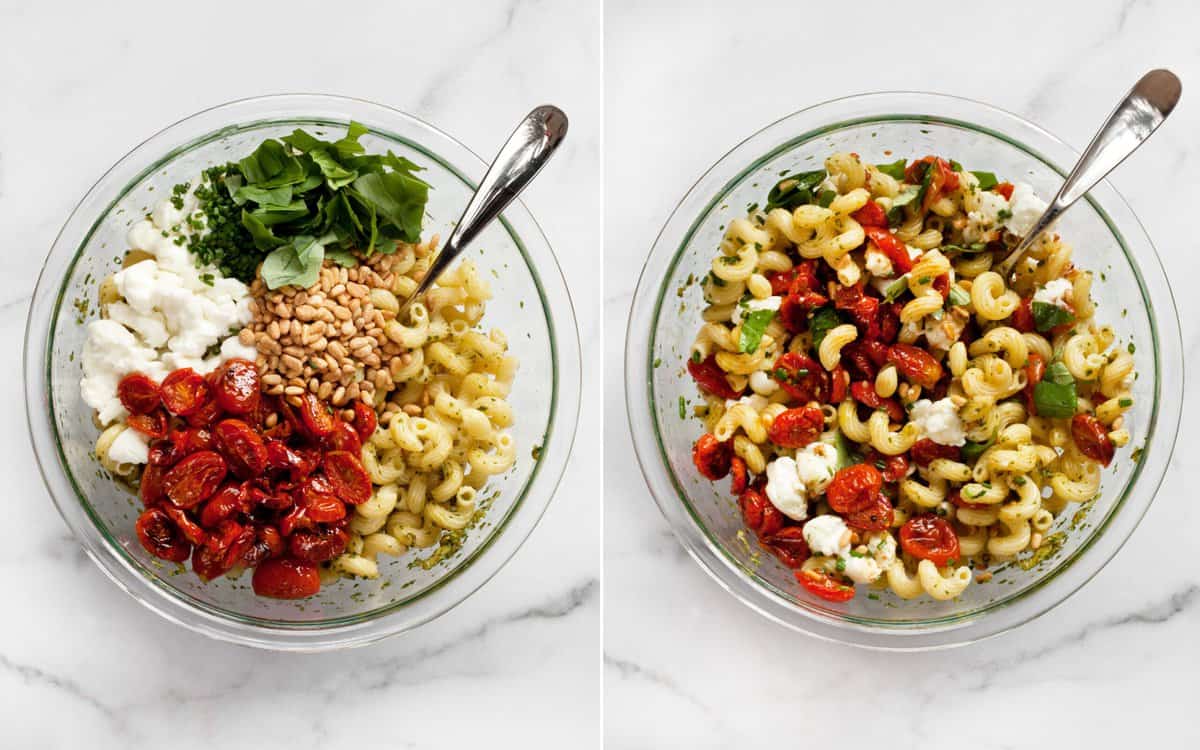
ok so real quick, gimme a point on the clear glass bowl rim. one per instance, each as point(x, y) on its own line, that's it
point(813, 122)
point(509, 533)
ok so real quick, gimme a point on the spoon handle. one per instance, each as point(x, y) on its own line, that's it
point(521, 157)
point(1137, 116)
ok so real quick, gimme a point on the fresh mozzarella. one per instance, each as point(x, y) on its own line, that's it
point(1055, 292)
point(785, 490)
point(1025, 208)
point(826, 535)
point(742, 309)
point(939, 421)
point(815, 465)
point(985, 219)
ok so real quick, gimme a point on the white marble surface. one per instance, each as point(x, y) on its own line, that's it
point(82, 665)
point(688, 666)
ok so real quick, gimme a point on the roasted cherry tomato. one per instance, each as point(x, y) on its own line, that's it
point(925, 450)
point(801, 377)
point(189, 528)
point(928, 537)
point(874, 517)
point(365, 421)
point(138, 393)
point(184, 391)
point(286, 578)
point(242, 447)
point(237, 388)
point(1091, 438)
point(839, 385)
point(319, 505)
point(1035, 370)
point(916, 364)
point(739, 475)
point(759, 515)
point(150, 489)
point(788, 545)
point(823, 585)
point(862, 310)
point(941, 285)
point(268, 543)
point(942, 178)
point(891, 468)
point(892, 247)
point(317, 546)
point(344, 438)
point(350, 481)
point(229, 501)
point(195, 478)
point(854, 488)
point(796, 428)
point(864, 393)
point(153, 425)
point(711, 378)
point(889, 321)
point(316, 420)
point(712, 457)
point(160, 537)
point(871, 215)
point(1022, 317)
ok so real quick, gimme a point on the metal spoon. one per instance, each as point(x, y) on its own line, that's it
point(1137, 116)
point(521, 157)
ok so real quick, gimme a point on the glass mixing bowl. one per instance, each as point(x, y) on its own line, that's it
point(1131, 290)
point(530, 304)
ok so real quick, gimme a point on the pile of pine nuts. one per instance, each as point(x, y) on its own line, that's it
point(329, 339)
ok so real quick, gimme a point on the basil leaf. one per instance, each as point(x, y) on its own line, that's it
point(348, 144)
point(399, 200)
point(336, 176)
point(1055, 400)
point(295, 264)
point(826, 197)
point(898, 287)
point(846, 455)
point(955, 166)
point(271, 166)
point(895, 170)
point(343, 258)
point(272, 215)
point(974, 247)
point(1058, 374)
point(824, 320)
point(972, 451)
point(280, 196)
point(987, 180)
point(1047, 316)
point(958, 296)
point(264, 238)
point(753, 326)
point(906, 196)
point(793, 190)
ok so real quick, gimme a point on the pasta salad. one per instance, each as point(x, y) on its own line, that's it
point(256, 379)
point(891, 411)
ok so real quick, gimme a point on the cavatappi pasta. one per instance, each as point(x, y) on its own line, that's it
point(894, 412)
point(444, 430)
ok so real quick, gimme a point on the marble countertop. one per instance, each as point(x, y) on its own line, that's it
point(81, 664)
point(688, 666)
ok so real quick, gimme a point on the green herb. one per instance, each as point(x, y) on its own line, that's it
point(898, 287)
point(958, 296)
point(824, 320)
point(895, 170)
point(682, 408)
point(207, 278)
point(1131, 348)
point(907, 194)
point(987, 180)
point(298, 199)
point(753, 326)
point(1125, 403)
point(794, 190)
point(974, 247)
point(955, 166)
point(1047, 316)
point(657, 362)
point(971, 451)
point(841, 565)
point(1055, 395)
point(846, 455)
point(1003, 214)
point(826, 197)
